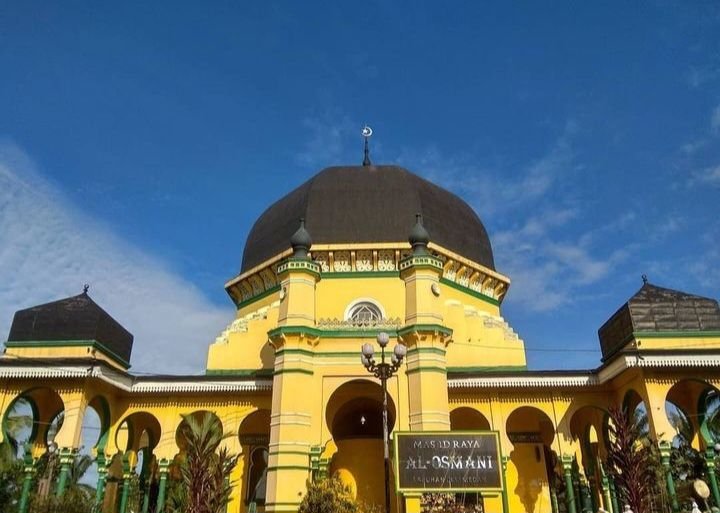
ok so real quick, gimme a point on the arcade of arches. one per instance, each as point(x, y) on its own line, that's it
point(285, 381)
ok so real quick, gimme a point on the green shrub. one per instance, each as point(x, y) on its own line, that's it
point(328, 496)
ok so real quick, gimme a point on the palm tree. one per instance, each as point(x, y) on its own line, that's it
point(205, 470)
point(16, 422)
point(630, 459)
point(80, 466)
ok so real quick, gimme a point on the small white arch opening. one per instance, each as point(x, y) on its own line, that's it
point(364, 311)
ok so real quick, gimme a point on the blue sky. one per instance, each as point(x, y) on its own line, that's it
point(139, 142)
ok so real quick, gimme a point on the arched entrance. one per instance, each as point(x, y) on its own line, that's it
point(532, 460)
point(254, 436)
point(354, 417)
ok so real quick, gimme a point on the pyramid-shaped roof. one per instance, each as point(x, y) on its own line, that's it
point(76, 318)
point(656, 309)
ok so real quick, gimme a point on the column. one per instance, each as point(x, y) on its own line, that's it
point(127, 482)
point(585, 500)
point(67, 458)
point(614, 497)
point(710, 462)
point(425, 337)
point(567, 462)
point(605, 485)
point(555, 507)
point(506, 505)
point(102, 480)
point(145, 480)
point(293, 379)
point(163, 469)
point(29, 471)
point(665, 449)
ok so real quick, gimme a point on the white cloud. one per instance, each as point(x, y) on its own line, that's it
point(326, 143)
point(707, 176)
point(49, 248)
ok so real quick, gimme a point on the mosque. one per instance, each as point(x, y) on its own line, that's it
point(353, 252)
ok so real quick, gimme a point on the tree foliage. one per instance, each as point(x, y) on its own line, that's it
point(630, 460)
point(328, 496)
point(205, 485)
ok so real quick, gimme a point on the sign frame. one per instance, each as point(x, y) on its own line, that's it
point(482, 491)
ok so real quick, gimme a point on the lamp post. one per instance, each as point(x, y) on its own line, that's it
point(383, 371)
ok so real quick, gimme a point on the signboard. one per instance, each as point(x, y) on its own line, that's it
point(448, 461)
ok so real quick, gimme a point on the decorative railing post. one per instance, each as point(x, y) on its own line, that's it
point(163, 469)
point(710, 462)
point(665, 449)
point(67, 457)
point(567, 464)
point(28, 473)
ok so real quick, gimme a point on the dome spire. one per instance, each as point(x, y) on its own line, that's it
point(366, 133)
point(301, 241)
point(419, 236)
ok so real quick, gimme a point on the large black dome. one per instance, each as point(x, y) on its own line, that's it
point(356, 204)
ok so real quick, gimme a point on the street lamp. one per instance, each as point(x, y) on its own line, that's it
point(383, 371)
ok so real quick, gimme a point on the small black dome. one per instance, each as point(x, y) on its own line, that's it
point(365, 204)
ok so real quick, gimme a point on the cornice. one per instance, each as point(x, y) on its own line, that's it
point(138, 384)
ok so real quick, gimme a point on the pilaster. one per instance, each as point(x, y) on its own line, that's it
point(426, 340)
point(291, 418)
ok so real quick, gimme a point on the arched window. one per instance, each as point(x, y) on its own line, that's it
point(257, 476)
point(364, 313)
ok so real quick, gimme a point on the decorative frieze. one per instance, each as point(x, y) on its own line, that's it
point(464, 274)
point(349, 324)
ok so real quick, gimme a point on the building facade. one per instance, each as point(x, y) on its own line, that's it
point(335, 262)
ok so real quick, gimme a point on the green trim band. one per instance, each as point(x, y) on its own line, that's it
point(240, 372)
point(262, 295)
point(289, 467)
point(69, 343)
point(488, 369)
point(293, 371)
point(426, 369)
point(360, 274)
point(657, 334)
point(282, 504)
point(470, 291)
point(315, 332)
point(294, 330)
point(676, 334)
point(424, 327)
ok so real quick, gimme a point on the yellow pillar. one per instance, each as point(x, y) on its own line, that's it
point(293, 384)
point(426, 339)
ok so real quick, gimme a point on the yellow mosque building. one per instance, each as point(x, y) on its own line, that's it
point(353, 252)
